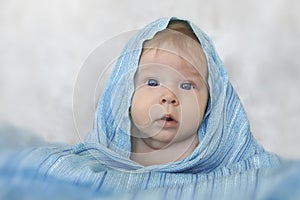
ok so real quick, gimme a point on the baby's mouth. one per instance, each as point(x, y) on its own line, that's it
point(168, 121)
point(167, 118)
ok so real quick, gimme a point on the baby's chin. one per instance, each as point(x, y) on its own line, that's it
point(159, 141)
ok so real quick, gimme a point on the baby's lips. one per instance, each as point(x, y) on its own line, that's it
point(168, 117)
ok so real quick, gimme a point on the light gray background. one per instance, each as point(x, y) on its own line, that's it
point(44, 44)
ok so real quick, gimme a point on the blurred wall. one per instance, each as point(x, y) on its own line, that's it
point(44, 44)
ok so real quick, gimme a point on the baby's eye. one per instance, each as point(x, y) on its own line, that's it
point(186, 86)
point(152, 82)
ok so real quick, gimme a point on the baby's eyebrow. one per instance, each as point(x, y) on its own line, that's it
point(144, 70)
point(196, 78)
point(143, 73)
point(198, 72)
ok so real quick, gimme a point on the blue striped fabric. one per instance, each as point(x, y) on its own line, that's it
point(228, 161)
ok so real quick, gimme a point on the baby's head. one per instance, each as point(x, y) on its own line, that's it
point(178, 38)
point(170, 96)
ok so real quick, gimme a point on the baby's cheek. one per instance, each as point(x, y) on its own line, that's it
point(141, 112)
point(155, 111)
point(138, 115)
point(190, 108)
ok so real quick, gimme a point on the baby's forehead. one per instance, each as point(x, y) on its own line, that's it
point(173, 59)
point(183, 43)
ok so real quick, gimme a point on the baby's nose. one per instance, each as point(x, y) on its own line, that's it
point(169, 98)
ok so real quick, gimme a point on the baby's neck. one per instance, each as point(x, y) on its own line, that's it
point(145, 155)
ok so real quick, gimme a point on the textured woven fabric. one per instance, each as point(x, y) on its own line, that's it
point(228, 160)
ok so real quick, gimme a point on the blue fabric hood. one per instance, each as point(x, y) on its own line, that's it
point(225, 136)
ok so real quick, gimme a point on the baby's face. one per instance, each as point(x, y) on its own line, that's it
point(169, 100)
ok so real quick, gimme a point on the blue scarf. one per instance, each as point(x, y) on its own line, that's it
point(224, 135)
point(227, 160)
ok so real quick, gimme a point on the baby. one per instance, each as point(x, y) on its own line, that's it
point(170, 96)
